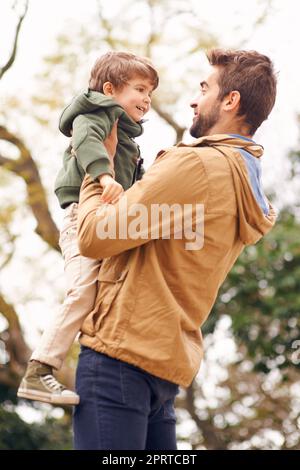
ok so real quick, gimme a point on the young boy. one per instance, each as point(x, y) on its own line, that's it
point(120, 88)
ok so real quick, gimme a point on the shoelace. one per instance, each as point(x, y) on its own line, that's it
point(52, 383)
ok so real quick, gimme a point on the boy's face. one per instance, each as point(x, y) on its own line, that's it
point(134, 97)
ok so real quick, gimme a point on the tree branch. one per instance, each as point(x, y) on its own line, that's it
point(12, 57)
point(208, 430)
point(15, 345)
point(152, 35)
point(169, 119)
point(9, 255)
point(25, 167)
point(19, 352)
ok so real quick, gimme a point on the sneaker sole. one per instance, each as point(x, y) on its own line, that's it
point(46, 398)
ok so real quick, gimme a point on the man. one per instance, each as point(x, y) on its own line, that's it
point(156, 288)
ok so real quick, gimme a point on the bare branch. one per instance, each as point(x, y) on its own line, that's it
point(5, 162)
point(13, 339)
point(152, 36)
point(208, 430)
point(9, 255)
point(12, 57)
point(107, 26)
point(26, 168)
point(169, 119)
point(19, 352)
point(267, 8)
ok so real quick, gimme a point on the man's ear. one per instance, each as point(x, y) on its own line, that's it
point(232, 101)
point(108, 88)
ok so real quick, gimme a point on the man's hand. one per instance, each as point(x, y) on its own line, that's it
point(111, 143)
point(112, 190)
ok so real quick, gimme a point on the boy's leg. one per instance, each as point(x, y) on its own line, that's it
point(81, 275)
point(81, 279)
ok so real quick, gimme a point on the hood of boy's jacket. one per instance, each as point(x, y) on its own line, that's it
point(91, 101)
point(253, 223)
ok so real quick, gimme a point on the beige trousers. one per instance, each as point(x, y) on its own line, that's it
point(81, 281)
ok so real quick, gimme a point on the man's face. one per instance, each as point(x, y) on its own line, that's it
point(206, 106)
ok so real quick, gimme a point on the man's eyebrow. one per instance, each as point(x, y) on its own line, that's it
point(204, 83)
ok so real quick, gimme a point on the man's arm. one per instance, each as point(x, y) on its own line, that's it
point(178, 177)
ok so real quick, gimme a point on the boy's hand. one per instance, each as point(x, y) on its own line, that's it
point(111, 189)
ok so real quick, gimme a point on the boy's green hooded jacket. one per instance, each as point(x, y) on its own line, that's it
point(89, 119)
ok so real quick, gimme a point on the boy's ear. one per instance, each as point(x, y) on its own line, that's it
point(108, 88)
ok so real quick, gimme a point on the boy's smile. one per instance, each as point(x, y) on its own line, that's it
point(135, 97)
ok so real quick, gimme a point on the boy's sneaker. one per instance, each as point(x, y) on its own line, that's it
point(39, 384)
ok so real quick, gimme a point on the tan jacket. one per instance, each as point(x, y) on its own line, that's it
point(154, 294)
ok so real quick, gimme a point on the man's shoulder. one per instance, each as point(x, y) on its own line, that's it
point(181, 151)
point(180, 161)
point(191, 161)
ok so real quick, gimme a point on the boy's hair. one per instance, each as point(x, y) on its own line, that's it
point(118, 68)
point(250, 73)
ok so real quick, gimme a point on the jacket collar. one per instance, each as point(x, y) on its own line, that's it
point(226, 140)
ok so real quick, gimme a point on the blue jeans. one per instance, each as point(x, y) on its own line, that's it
point(121, 406)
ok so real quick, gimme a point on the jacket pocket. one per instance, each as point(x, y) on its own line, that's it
point(108, 289)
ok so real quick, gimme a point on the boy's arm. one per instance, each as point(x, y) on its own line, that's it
point(89, 132)
point(129, 220)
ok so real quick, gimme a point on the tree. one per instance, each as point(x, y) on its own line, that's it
point(15, 434)
point(255, 404)
point(24, 167)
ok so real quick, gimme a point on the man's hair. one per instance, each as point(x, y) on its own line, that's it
point(250, 73)
point(118, 68)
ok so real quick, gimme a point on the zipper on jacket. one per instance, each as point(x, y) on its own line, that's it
point(139, 163)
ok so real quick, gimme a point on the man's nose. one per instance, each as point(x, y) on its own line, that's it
point(193, 103)
point(147, 99)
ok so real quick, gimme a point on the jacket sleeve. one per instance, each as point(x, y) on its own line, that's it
point(89, 132)
point(107, 230)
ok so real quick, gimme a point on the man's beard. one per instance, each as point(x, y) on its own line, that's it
point(204, 123)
